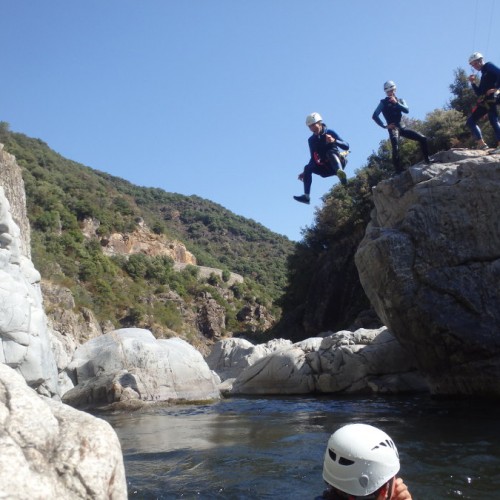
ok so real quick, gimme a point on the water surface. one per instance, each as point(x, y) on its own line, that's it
point(273, 447)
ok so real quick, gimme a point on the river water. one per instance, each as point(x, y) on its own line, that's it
point(273, 447)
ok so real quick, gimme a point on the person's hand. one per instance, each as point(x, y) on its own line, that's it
point(393, 99)
point(490, 91)
point(472, 78)
point(391, 126)
point(301, 176)
point(400, 490)
point(329, 138)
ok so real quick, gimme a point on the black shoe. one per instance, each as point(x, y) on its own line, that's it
point(302, 199)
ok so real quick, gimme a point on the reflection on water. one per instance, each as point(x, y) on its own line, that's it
point(268, 447)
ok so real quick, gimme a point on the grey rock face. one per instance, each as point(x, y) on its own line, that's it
point(49, 450)
point(343, 362)
point(211, 317)
point(430, 265)
point(11, 180)
point(24, 337)
point(229, 357)
point(131, 364)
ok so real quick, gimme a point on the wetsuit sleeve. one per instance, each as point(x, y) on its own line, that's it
point(311, 151)
point(311, 148)
point(495, 70)
point(376, 114)
point(338, 141)
point(403, 106)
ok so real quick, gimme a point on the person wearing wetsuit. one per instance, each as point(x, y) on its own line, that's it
point(487, 91)
point(392, 108)
point(325, 159)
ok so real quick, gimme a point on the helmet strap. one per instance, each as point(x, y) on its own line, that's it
point(386, 490)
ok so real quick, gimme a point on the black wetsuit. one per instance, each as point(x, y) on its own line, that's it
point(393, 113)
point(325, 160)
point(490, 79)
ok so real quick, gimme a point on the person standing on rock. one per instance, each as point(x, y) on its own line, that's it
point(392, 108)
point(362, 461)
point(326, 159)
point(488, 92)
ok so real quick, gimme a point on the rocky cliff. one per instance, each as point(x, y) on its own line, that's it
point(142, 240)
point(25, 343)
point(47, 449)
point(430, 265)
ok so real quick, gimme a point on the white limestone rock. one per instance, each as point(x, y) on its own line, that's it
point(364, 361)
point(49, 450)
point(109, 367)
point(229, 357)
point(24, 336)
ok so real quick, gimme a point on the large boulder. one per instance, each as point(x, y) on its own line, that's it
point(229, 357)
point(131, 363)
point(49, 450)
point(365, 361)
point(430, 265)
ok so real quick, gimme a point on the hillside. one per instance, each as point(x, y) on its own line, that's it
point(63, 197)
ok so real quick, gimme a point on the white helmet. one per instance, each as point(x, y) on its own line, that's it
point(359, 459)
point(390, 85)
point(475, 57)
point(313, 118)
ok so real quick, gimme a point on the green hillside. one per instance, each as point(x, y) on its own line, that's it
point(62, 193)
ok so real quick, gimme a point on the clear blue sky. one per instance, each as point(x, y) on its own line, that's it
point(209, 97)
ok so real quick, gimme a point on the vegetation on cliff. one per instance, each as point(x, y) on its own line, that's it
point(61, 194)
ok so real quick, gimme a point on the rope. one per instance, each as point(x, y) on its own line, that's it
point(489, 28)
point(475, 27)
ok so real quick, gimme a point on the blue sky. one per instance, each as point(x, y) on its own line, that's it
point(209, 97)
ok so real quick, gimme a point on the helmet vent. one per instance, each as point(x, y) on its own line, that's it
point(342, 460)
point(345, 461)
point(388, 443)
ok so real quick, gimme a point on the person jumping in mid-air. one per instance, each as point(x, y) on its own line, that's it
point(326, 159)
point(392, 108)
point(487, 91)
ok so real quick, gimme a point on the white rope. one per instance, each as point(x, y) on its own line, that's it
point(489, 28)
point(475, 27)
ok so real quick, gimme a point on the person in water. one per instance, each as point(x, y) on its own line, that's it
point(362, 461)
point(326, 159)
point(392, 108)
point(488, 94)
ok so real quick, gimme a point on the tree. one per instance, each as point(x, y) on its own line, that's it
point(463, 99)
point(445, 127)
point(4, 131)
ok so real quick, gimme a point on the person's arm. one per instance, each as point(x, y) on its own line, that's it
point(495, 71)
point(376, 114)
point(474, 85)
point(403, 106)
point(311, 148)
point(338, 141)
